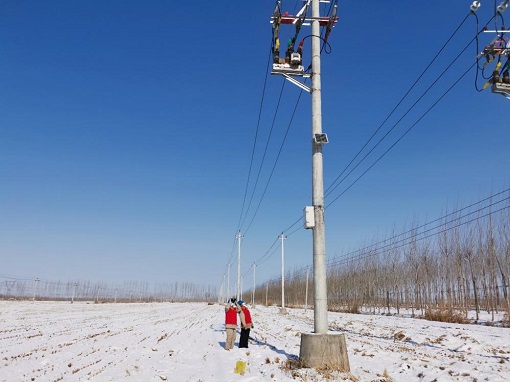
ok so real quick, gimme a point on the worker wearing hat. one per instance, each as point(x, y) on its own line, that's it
point(246, 323)
point(230, 323)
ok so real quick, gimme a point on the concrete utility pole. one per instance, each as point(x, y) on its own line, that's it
point(253, 294)
point(306, 289)
point(320, 348)
point(282, 237)
point(228, 281)
point(239, 237)
point(36, 281)
point(319, 234)
point(224, 293)
point(74, 292)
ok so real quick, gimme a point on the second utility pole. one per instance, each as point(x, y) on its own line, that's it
point(239, 237)
point(282, 237)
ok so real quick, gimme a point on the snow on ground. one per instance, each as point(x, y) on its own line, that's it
point(60, 341)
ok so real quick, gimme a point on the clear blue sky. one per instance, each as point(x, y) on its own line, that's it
point(127, 128)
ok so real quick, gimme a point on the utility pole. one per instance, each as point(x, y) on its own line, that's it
point(36, 281)
point(319, 234)
point(239, 237)
point(318, 349)
point(310, 344)
point(223, 294)
point(306, 289)
point(253, 294)
point(282, 237)
point(228, 281)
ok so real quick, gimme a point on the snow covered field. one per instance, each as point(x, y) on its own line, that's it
point(59, 341)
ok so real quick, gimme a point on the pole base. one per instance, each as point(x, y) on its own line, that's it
point(324, 351)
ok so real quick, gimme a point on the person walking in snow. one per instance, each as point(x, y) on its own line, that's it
point(246, 324)
point(230, 323)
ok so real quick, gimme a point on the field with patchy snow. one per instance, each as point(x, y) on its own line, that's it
point(59, 341)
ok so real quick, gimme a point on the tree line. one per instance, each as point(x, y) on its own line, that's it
point(457, 263)
point(101, 292)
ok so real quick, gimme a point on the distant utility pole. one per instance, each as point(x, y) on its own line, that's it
point(282, 237)
point(239, 237)
point(253, 294)
point(74, 292)
point(306, 289)
point(223, 294)
point(36, 281)
point(228, 281)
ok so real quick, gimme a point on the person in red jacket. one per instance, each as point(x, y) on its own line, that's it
point(246, 324)
point(230, 324)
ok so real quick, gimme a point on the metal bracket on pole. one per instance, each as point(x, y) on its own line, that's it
point(296, 82)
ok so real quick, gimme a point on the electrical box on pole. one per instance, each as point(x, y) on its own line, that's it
point(308, 217)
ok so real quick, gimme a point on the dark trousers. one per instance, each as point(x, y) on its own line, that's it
point(243, 341)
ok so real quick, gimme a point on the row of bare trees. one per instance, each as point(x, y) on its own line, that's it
point(131, 291)
point(459, 262)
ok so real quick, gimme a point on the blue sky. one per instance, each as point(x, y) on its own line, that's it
point(127, 128)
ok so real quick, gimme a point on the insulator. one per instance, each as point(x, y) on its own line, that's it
point(495, 77)
point(474, 7)
point(502, 6)
point(506, 77)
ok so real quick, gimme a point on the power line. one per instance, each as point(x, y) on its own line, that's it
point(402, 136)
point(414, 239)
point(277, 158)
point(399, 103)
point(332, 188)
point(373, 250)
point(268, 254)
point(415, 229)
point(415, 233)
point(254, 141)
point(264, 155)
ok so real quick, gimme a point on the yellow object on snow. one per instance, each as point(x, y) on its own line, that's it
point(240, 367)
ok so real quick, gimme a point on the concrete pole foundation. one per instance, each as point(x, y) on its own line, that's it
point(324, 351)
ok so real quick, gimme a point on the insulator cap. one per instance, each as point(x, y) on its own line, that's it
point(502, 6)
point(474, 7)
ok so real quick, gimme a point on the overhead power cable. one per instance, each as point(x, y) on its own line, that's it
point(276, 160)
point(268, 253)
point(254, 141)
point(454, 213)
point(373, 250)
point(412, 240)
point(263, 156)
point(402, 136)
point(402, 238)
point(398, 121)
point(391, 113)
point(335, 184)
